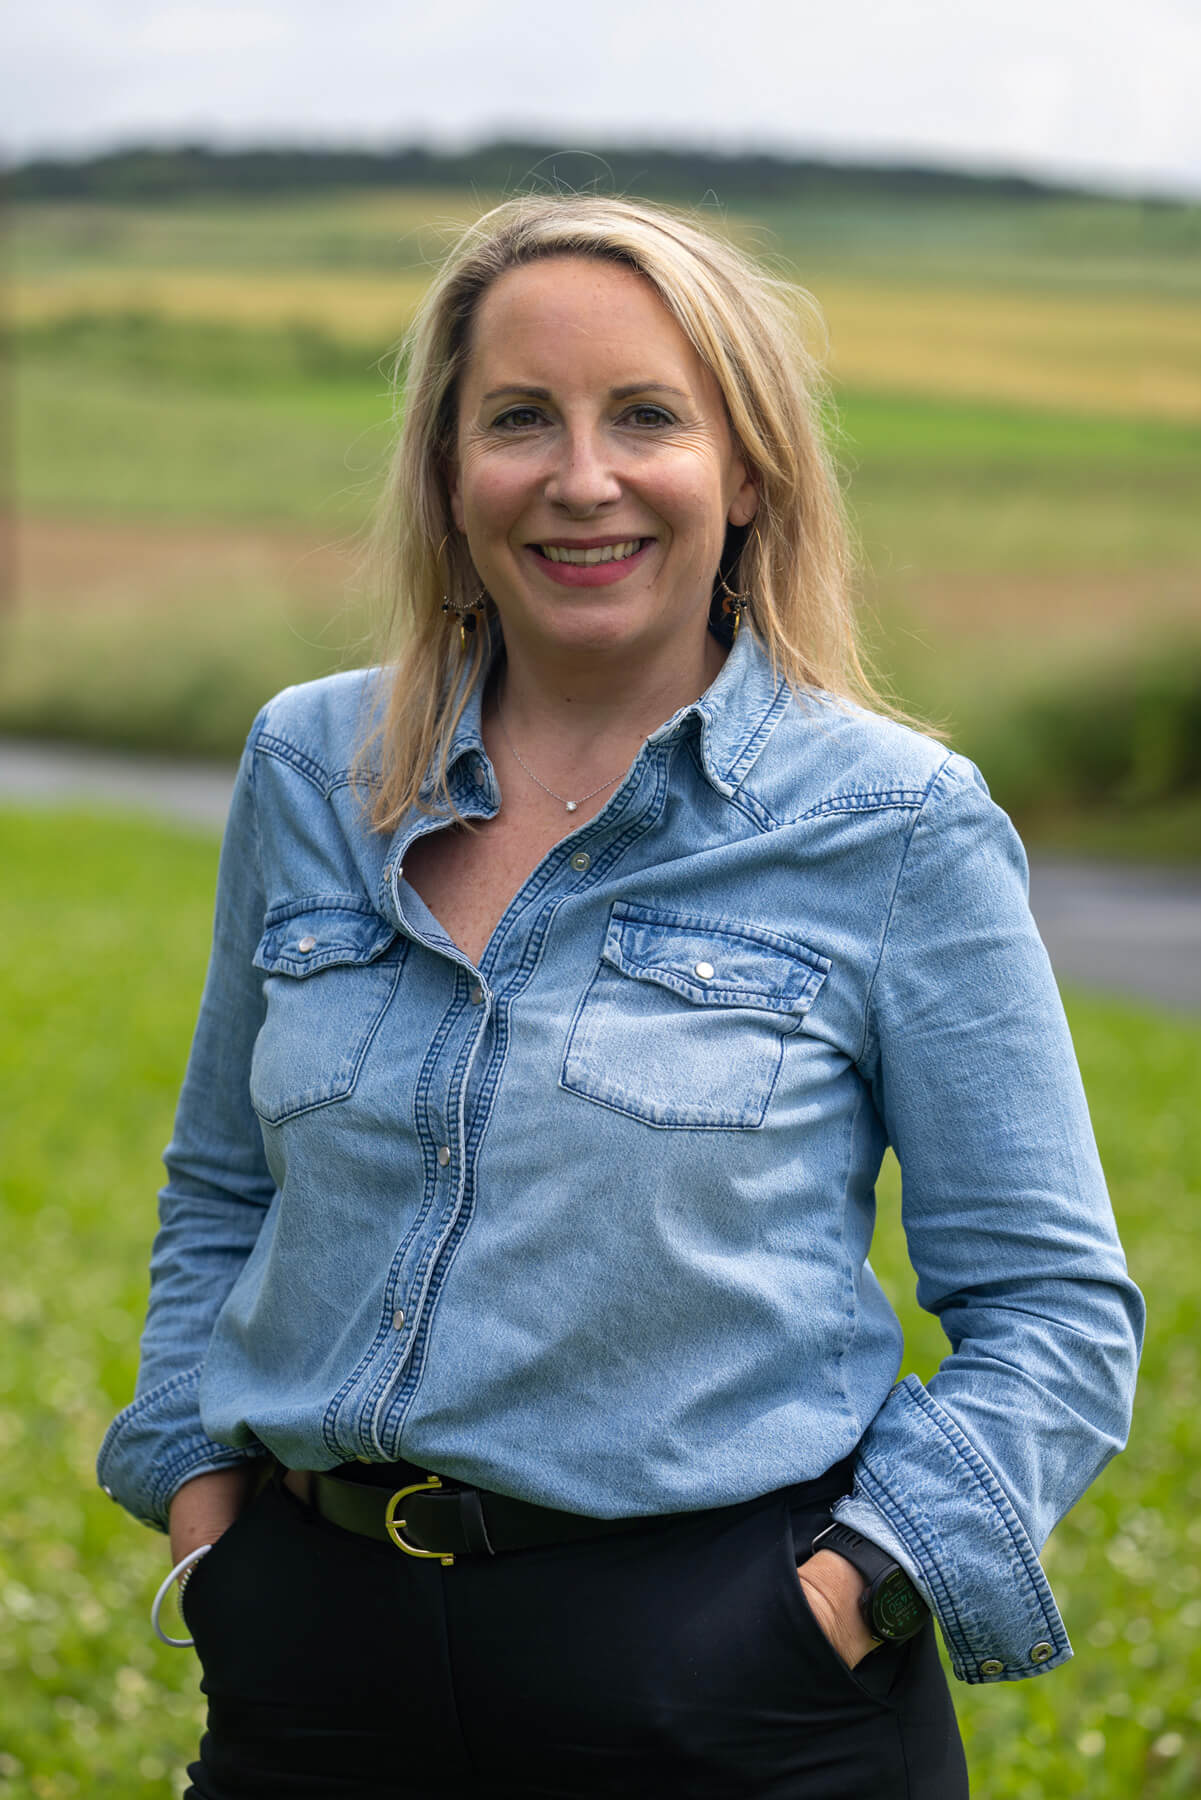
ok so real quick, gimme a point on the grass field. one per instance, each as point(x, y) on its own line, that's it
point(1019, 392)
point(103, 936)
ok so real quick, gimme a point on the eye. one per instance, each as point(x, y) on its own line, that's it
point(646, 415)
point(517, 418)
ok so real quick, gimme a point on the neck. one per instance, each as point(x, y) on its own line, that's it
point(600, 699)
point(572, 728)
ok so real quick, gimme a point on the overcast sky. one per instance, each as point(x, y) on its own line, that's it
point(1101, 90)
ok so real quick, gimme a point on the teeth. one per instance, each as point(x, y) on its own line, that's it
point(606, 553)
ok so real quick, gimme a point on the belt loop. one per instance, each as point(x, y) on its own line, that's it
point(471, 1517)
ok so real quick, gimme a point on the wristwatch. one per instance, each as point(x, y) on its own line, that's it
point(892, 1608)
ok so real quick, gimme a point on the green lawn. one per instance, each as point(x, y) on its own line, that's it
point(104, 927)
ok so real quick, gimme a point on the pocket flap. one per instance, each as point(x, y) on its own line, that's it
point(714, 962)
point(312, 936)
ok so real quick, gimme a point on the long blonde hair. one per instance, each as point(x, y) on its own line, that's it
point(795, 562)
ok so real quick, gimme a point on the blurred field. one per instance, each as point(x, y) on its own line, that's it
point(91, 1053)
point(1019, 389)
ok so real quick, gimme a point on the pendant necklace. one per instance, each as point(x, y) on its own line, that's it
point(571, 805)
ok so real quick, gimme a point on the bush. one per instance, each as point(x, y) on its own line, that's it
point(1121, 737)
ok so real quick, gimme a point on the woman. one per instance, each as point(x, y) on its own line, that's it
point(571, 975)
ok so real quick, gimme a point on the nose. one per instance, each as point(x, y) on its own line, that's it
point(582, 478)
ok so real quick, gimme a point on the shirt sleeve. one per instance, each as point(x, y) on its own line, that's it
point(1011, 1234)
point(213, 1205)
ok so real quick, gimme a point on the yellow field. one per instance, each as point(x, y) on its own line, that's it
point(1101, 354)
point(360, 309)
point(1105, 354)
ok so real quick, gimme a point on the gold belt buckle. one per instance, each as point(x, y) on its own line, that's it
point(395, 1527)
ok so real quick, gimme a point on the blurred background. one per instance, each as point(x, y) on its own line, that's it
point(218, 222)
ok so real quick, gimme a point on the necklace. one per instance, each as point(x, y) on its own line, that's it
point(571, 805)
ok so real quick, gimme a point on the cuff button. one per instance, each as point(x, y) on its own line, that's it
point(1041, 1652)
point(992, 1667)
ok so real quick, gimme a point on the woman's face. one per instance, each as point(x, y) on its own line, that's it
point(595, 471)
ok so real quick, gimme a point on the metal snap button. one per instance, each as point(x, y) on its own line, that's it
point(398, 1319)
point(705, 970)
point(443, 1155)
point(306, 944)
point(1041, 1652)
point(477, 995)
point(992, 1667)
point(581, 861)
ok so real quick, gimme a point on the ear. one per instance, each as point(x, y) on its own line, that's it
point(745, 503)
point(455, 496)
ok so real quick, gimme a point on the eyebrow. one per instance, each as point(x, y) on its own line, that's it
point(617, 393)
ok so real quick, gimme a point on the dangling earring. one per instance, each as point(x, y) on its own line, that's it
point(733, 606)
point(466, 615)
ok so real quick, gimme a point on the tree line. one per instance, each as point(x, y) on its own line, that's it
point(153, 172)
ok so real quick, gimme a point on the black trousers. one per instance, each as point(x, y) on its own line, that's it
point(677, 1661)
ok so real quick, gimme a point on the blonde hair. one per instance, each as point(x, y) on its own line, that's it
point(794, 561)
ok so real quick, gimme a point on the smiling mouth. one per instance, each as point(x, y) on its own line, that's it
point(601, 553)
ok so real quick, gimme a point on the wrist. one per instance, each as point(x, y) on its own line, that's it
point(889, 1602)
point(207, 1505)
point(833, 1587)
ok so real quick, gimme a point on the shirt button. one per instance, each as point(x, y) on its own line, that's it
point(398, 1319)
point(992, 1667)
point(443, 1155)
point(580, 861)
point(705, 971)
point(477, 995)
point(306, 944)
point(1041, 1652)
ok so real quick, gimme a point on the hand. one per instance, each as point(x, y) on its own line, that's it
point(206, 1506)
point(832, 1587)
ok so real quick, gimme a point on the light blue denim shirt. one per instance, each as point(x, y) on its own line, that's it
point(589, 1224)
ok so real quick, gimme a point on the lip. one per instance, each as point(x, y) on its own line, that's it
point(589, 574)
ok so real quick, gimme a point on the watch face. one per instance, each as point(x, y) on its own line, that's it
point(897, 1608)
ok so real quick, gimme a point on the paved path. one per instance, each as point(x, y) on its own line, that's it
point(1120, 928)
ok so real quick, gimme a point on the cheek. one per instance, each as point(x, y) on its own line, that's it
point(697, 501)
point(491, 498)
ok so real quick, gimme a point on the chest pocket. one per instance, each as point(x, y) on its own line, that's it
point(684, 1022)
point(330, 974)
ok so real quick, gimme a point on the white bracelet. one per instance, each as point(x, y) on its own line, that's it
point(184, 1568)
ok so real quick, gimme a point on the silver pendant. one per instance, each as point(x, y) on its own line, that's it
point(572, 805)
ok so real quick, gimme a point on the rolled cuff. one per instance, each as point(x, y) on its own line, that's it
point(156, 1444)
point(924, 1493)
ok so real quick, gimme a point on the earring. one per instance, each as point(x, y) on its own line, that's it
point(466, 615)
point(733, 606)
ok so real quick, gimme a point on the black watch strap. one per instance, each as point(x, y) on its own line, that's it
point(892, 1608)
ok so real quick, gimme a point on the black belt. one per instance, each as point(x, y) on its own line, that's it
point(429, 1517)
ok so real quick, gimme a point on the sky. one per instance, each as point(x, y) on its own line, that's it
point(1102, 92)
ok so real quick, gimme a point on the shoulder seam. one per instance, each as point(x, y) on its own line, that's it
point(902, 864)
point(315, 773)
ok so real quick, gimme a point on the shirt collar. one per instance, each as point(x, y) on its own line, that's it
point(735, 716)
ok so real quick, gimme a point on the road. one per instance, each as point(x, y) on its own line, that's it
point(1121, 928)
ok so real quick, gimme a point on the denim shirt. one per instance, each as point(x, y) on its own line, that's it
point(588, 1224)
